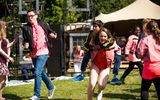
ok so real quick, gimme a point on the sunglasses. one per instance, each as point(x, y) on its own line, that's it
point(30, 16)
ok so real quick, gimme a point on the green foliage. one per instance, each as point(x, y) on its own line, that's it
point(55, 9)
point(55, 12)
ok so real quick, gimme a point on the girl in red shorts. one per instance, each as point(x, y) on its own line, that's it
point(102, 58)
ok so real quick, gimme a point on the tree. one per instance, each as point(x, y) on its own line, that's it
point(54, 12)
point(55, 8)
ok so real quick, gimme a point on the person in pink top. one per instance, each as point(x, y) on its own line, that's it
point(149, 51)
point(35, 35)
point(102, 58)
point(77, 59)
point(130, 53)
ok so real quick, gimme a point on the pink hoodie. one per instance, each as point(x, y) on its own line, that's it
point(131, 48)
point(149, 51)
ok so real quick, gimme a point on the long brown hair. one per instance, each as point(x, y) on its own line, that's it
point(3, 29)
point(153, 27)
point(107, 32)
point(144, 25)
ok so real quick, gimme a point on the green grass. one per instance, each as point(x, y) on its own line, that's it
point(69, 90)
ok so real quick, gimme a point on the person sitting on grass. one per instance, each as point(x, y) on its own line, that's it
point(25, 68)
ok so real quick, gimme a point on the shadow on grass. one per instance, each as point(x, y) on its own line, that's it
point(123, 96)
point(42, 98)
point(131, 84)
point(120, 96)
point(138, 90)
point(12, 97)
point(64, 99)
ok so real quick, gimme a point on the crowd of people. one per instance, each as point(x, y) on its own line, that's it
point(101, 48)
point(141, 50)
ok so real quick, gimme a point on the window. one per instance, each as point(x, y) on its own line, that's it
point(76, 39)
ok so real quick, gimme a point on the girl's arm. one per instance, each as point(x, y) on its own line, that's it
point(128, 45)
point(8, 47)
point(117, 49)
point(141, 49)
point(12, 43)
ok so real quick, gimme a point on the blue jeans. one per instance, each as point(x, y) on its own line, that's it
point(25, 71)
point(116, 64)
point(85, 61)
point(40, 74)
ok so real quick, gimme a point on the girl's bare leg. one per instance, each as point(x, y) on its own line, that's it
point(103, 78)
point(92, 81)
point(2, 82)
point(102, 81)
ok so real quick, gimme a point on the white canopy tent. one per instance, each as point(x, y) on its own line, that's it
point(139, 9)
point(122, 22)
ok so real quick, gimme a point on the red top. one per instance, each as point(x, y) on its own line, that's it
point(100, 60)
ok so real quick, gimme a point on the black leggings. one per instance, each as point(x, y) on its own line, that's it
point(146, 85)
point(130, 68)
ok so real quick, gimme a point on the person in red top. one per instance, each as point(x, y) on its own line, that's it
point(102, 57)
point(149, 51)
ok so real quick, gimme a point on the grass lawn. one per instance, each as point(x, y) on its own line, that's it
point(69, 90)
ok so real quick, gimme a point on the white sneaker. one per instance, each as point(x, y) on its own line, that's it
point(51, 92)
point(34, 98)
point(99, 96)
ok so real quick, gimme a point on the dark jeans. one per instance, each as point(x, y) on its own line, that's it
point(130, 68)
point(146, 85)
point(117, 63)
point(25, 71)
point(85, 61)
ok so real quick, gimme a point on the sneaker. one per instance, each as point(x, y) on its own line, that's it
point(99, 96)
point(78, 78)
point(51, 92)
point(34, 98)
point(115, 81)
